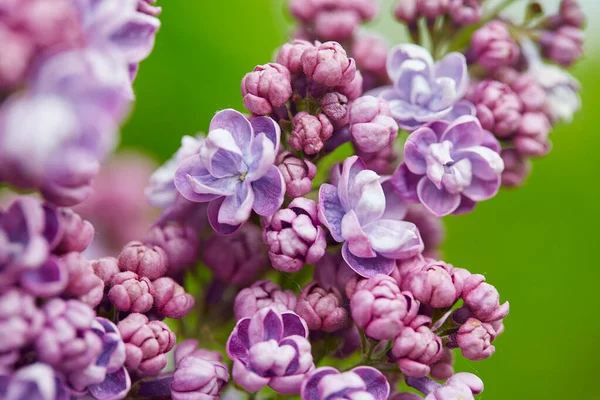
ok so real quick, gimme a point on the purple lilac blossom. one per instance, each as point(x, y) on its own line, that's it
point(368, 219)
point(424, 91)
point(270, 348)
point(448, 167)
point(32, 382)
point(234, 171)
point(327, 383)
point(459, 386)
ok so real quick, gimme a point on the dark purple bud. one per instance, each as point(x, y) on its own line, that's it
point(335, 106)
point(148, 262)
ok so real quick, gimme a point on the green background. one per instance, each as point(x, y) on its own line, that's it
point(537, 244)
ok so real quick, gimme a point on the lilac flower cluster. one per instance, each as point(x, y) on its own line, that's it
point(353, 237)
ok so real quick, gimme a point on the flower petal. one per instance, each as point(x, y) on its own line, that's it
point(247, 379)
point(331, 211)
point(268, 192)
point(270, 128)
point(368, 267)
point(395, 208)
point(415, 149)
point(194, 182)
point(48, 280)
point(236, 208)
point(350, 169)
point(293, 325)
point(235, 123)
point(454, 67)
point(115, 386)
point(466, 131)
point(366, 197)
point(481, 189)
point(356, 239)
point(135, 38)
point(394, 239)
point(405, 184)
point(376, 383)
point(221, 155)
point(400, 54)
point(261, 157)
point(438, 201)
point(486, 163)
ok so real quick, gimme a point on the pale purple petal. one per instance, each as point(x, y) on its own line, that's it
point(249, 380)
point(368, 267)
point(481, 189)
point(415, 149)
point(454, 66)
point(195, 183)
point(366, 197)
point(405, 184)
point(395, 208)
point(465, 132)
point(235, 123)
point(270, 128)
point(135, 39)
point(394, 239)
point(438, 201)
point(261, 157)
point(401, 53)
point(236, 208)
point(221, 155)
point(213, 218)
point(310, 388)
point(331, 211)
point(268, 192)
point(461, 108)
point(486, 163)
point(351, 167)
point(356, 239)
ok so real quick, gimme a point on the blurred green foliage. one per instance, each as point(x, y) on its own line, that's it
point(537, 244)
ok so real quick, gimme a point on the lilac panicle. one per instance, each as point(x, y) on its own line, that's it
point(234, 171)
point(266, 88)
point(359, 383)
point(171, 299)
point(263, 294)
point(294, 236)
point(130, 292)
point(297, 173)
point(322, 309)
point(146, 343)
point(270, 348)
point(371, 124)
point(238, 258)
point(424, 91)
point(381, 309)
point(448, 168)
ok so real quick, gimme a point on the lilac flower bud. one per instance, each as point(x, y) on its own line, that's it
point(200, 373)
point(83, 282)
point(263, 294)
point(67, 341)
point(147, 7)
point(530, 92)
point(129, 292)
point(328, 64)
point(20, 320)
point(432, 8)
point(337, 25)
point(370, 52)
point(516, 168)
point(271, 348)
point(532, 135)
point(105, 268)
point(310, 132)
point(238, 258)
point(359, 383)
point(565, 46)
point(290, 55)
point(335, 106)
point(493, 47)
point(406, 11)
point(180, 243)
point(267, 87)
point(354, 89)
point(381, 309)
point(433, 284)
point(171, 299)
point(483, 299)
point(371, 124)
point(147, 262)
point(298, 174)
point(443, 368)
point(294, 236)
point(322, 309)
point(474, 339)
point(77, 233)
point(571, 13)
point(499, 109)
point(146, 343)
point(416, 349)
point(465, 12)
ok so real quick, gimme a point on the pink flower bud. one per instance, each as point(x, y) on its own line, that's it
point(483, 299)
point(267, 87)
point(565, 46)
point(493, 46)
point(499, 109)
point(146, 343)
point(354, 89)
point(105, 268)
point(20, 321)
point(443, 368)
point(77, 233)
point(129, 292)
point(297, 174)
point(370, 52)
point(433, 284)
point(465, 12)
point(335, 106)
point(406, 11)
point(571, 13)
point(148, 262)
point(530, 92)
point(474, 339)
point(532, 135)
point(328, 64)
point(432, 8)
point(180, 243)
point(516, 168)
point(263, 294)
point(322, 309)
point(170, 298)
point(416, 349)
point(338, 25)
point(290, 55)
point(83, 282)
point(310, 132)
point(371, 124)
point(381, 309)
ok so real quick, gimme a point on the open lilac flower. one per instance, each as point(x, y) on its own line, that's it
point(448, 167)
point(459, 386)
point(234, 171)
point(327, 383)
point(32, 382)
point(359, 213)
point(271, 348)
point(424, 91)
